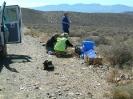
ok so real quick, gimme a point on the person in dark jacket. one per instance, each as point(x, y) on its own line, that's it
point(50, 44)
point(65, 23)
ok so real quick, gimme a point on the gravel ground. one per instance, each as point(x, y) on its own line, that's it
point(22, 75)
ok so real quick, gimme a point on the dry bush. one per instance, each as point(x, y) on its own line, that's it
point(77, 31)
point(97, 37)
point(111, 75)
point(95, 34)
point(77, 34)
point(99, 40)
point(118, 54)
point(119, 77)
point(124, 82)
point(123, 92)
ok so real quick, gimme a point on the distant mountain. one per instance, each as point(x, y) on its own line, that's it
point(129, 12)
point(89, 8)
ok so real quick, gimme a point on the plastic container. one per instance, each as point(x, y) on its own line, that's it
point(91, 53)
point(87, 45)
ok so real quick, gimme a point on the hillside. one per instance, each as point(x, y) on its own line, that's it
point(81, 19)
point(81, 22)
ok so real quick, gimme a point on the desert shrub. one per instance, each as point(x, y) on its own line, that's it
point(118, 54)
point(77, 34)
point(101, 40)
point(95, 34)
point(77, 31)
point(123, 92)
point(111, 75)
point(121, 55)
point(98, 40)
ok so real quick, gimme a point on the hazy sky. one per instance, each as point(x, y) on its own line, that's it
point(35, 3)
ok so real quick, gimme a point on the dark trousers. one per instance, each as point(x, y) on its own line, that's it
point(66, 30)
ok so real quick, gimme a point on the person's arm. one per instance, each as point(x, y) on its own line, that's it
point(68, 43)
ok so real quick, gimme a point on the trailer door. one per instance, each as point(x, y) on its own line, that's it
point(13, 23)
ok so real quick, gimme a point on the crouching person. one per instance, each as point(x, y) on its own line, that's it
point(61, 46)
point(50, 44)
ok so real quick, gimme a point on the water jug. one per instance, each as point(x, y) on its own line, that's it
point(87, 45)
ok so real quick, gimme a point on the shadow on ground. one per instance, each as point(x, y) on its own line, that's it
point(9, 59)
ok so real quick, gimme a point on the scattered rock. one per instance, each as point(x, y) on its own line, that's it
point(37, 87)
point(83, 68)
point(71, 93)
point(82, 62)
point(21, 78)
point(131, 78)
point(123, 77)
point(98, 84)
point(67, 89)
point(89, 95)
point(48, 94)
point(56, 73)
point(53, 97)
point(7, 79)
point(59, 93)
point(77, 93)
point(27, 95)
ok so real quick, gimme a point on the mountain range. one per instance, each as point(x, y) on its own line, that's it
point(87, 8)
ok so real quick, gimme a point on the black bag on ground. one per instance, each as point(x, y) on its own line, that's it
point(48, 65)
point(78, 49)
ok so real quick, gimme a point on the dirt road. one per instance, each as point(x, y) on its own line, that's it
point(22, 75)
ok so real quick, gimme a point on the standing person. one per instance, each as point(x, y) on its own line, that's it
point(65, 23)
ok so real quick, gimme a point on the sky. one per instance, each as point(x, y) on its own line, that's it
point(36, 3)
